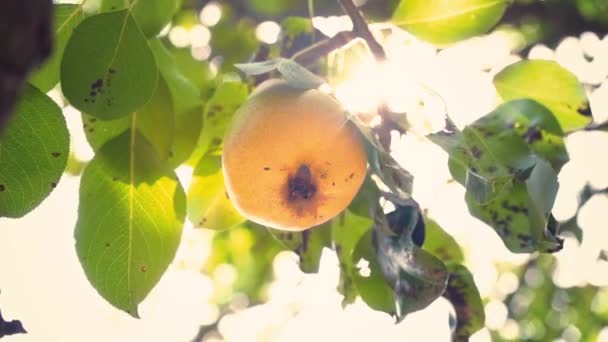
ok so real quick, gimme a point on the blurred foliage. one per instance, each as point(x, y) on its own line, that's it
point(546, 312)
point(251, 250)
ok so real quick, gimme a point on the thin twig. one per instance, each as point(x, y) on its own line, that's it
point(321, 49)
point(361, 29)
point(597, 126)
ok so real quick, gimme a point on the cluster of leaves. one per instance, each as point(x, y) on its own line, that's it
point(146, 110)
point(142, 104)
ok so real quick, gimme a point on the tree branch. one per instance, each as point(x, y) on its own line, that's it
point(314, 52)
point(361, 29)
point(26, 42)
point(8, 328)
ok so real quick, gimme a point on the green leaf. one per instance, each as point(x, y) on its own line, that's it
point(234, 41)
point(219, 110)
point(66, 18)
point(416, 276)
point(307, 244)
point(294, 26)
point(208, 202)
point(156, 120)
point(508, 161)
point(502, 146)
point(259, 68)
point(386, 169)
point(197, 72)
point(398, 180)
point(34, 149)
point(464, 296)
point(366, 199)
point(98, 132)
point(188, 128)
point(542, 186)
point(107, 69)
point(521, 216)
point(369, 281)
point(186, 99)
point(130, 217)
point(444, 22)
point(551, 85)
point(297, 33)
point(185, 94)
point(441, 244)
point(298, 76)
point(295, 74)
point(153, 15)
point(111, 5)
point(347, 229)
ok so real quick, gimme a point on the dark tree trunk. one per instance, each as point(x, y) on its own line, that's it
point(25, 41)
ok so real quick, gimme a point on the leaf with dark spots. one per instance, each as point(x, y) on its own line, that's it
point(416, 276)
point(585, 110)
point(441, 244)
point(98, 132)
point(99, 43)
point(476, 152)
point(522, 216)
point(221, 107)
point(533, 135)
point(142, 216)
point(407, 220)
point(390, 173)
point(33, 153)
point(522, 129)
point(504, 152)
point(8, 328)
point(97, 85)
point(462, 292)
point(367, 280)
point(208, 205)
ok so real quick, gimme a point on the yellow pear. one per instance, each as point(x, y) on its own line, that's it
point(291, 159)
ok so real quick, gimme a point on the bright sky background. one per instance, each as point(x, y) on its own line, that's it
point(42, 283)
